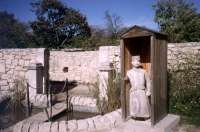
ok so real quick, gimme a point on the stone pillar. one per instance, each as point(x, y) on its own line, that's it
point(105, 68)
point(104, 75)
point(35, 79)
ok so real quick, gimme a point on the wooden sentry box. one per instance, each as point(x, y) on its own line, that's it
point(151, 46)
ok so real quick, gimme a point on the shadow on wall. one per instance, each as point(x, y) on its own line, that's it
point(58, 86)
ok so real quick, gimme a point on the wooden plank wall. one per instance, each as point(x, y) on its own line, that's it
point(159, 79)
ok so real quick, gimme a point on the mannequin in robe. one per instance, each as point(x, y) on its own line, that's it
point(140, 90)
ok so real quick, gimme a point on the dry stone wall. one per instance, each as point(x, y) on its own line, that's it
point(83, 66)
point(13, 66)
point(177, 52)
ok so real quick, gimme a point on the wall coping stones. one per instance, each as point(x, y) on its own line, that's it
point(90, 124)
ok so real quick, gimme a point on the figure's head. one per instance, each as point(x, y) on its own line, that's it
point(136, 61)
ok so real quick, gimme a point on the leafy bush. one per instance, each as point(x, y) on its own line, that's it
point(184, 88)
point(18, 90)
point(113, 94)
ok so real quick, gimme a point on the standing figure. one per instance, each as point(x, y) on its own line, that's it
point(140, 90)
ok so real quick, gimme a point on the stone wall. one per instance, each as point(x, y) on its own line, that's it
point(177, 52)
point(82, 65)
point(99, 123)
point(13, 65)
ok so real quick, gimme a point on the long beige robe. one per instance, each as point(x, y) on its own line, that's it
point(139, 92)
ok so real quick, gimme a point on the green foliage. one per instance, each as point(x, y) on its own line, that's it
point(95, 91)
point(18, 91)
point(178, 19)
point(113, 92)
point(13, 34)
point(99, 37)
point(184, 86)
point(57, 25)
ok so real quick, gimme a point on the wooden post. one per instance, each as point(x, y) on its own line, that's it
point(46, 70)
point(152, 41)
point(28, 101)
point(123, 92)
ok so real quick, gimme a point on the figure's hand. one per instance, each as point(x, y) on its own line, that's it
point(148, 93)
point(131, 90)
point(126, 78)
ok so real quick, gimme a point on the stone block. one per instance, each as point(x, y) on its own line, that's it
point(18, 127)
point(1, 55)
point(82, 125)
point(76, 100)
point(40, 56)
point(18, 68)
point(26, 63)
point(26, 126)
point(34, 127)
point(3, 82)
point(8, 62)
point(12, 66)
point(62, 126)
point(91, 125)
point(167, 124)
point(2, 68)
point(72, 126)
point(27, 57)
point(4, 77)
point(44, 127)
point(21, 62)
point(4, 88)
point(15, 62)
point(17, 57)
point(54, 127)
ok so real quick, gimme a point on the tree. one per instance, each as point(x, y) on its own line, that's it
point(101, 36)
point(57, 25)
point(113, 25)
point(179, 19)
point(13, 34)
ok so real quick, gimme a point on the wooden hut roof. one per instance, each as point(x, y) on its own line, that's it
point(138, 31)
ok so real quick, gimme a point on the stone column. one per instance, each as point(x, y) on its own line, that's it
point(104, 75)
point(35, 79)
point(105, 68)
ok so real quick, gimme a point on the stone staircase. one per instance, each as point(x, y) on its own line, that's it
point(81, 98)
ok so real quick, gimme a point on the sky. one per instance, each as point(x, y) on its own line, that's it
point(132, 12)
